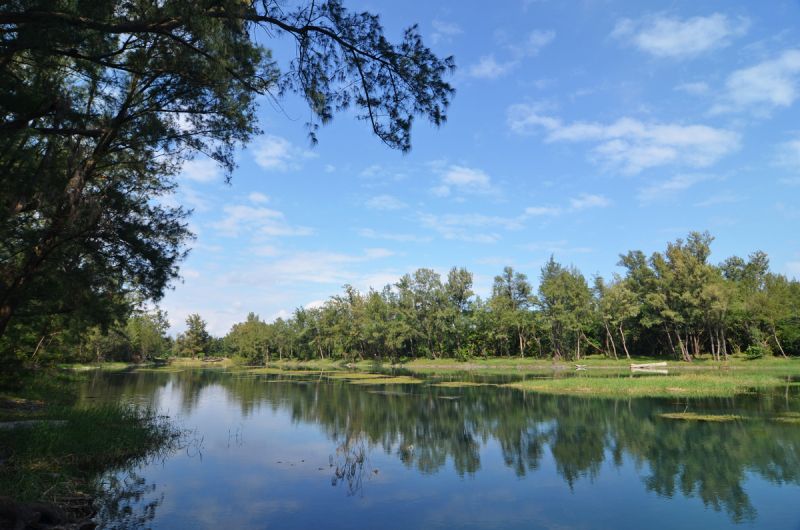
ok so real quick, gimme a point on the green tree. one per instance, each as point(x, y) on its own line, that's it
point(196, 340)
point(147, 333)
point(102, 102)
point(565, 300)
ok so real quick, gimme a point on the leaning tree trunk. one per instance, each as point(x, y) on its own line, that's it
point(625, 344)
point(610, 338)
point(777, 342)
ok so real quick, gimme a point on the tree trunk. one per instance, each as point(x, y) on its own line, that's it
point(625, 344)
point(610, 338)
point(775, 337)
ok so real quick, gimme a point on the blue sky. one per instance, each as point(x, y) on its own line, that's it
point(579, 129)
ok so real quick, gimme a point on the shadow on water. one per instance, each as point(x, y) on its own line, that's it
point(430, 430)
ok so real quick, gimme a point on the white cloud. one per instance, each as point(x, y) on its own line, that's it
point(631, 145)
point(583, 201)
point(190, 273)
point(534, 43)
point(536, 211)
point(556, 247)
point(587, 200)
point(200, 170)
point(762, 87)
point(391, 236)
point(314, 304)
point(464, 179)
point(444, 31)
point(385, 202)
point(666, 36)
point(315, 267)
point(195, 200)
point(489, 68)
point(671, 186)
point(724, 197)
point(790, 181)
point(274, 153)
point(258, 197)
point(476, 228)
point(697, 88)
point(265, 251)
point(257, 220)
point(788, 155)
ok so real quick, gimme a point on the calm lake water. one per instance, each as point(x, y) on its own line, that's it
point(281, 451)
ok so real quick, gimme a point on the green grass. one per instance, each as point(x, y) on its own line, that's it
point(353, 376)
point(45, 460)
point(693, 416)
point(109, 366)
point(720, 384)
point(399, 380)
point(458, 384)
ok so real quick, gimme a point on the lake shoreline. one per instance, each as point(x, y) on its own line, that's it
point(593, 376)
point(54, 450)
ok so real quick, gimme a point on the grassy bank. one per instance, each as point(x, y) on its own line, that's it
point(720, 384)
point(599, 376)
point(53, 449)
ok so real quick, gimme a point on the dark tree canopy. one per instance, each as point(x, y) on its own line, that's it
point(102, 102)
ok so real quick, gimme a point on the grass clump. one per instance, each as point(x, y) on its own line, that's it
point(353, 376)
point(689, 384)
point(458, 384)
point(48, 459)
point(693, 416)
point(399, 380)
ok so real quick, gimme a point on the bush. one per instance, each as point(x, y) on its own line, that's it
point(756, 351)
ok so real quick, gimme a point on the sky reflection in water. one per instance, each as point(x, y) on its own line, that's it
point(288, 452)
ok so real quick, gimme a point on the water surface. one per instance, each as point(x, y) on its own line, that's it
point(276, 451)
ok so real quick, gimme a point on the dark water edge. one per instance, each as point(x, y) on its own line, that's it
point(273, 451)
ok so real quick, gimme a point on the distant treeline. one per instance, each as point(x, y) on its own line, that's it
point(671, 304)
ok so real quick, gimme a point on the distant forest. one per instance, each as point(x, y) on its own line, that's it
point(672, 304)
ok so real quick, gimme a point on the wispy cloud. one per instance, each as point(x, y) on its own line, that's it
point(788, 155)
point(535, 41)
point(393, 236)
point(556, 247)
point(464, 180)
point(666, 36)
point(257, 220)
point(385, 202)
point(201, 170)
point(587, 200)
point(584, 201)
point(790, 181)
point(274, 153)
point(697, 88)
point(672, 186)
point(335, 268)
point(444, 31)
point(722, 197)
point(489, 67)
point(762, 87)
point(543, 211)
point(628, 144)
point(258, 197)
point(476, 228)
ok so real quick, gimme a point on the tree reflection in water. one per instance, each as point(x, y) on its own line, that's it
point(425, 426)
